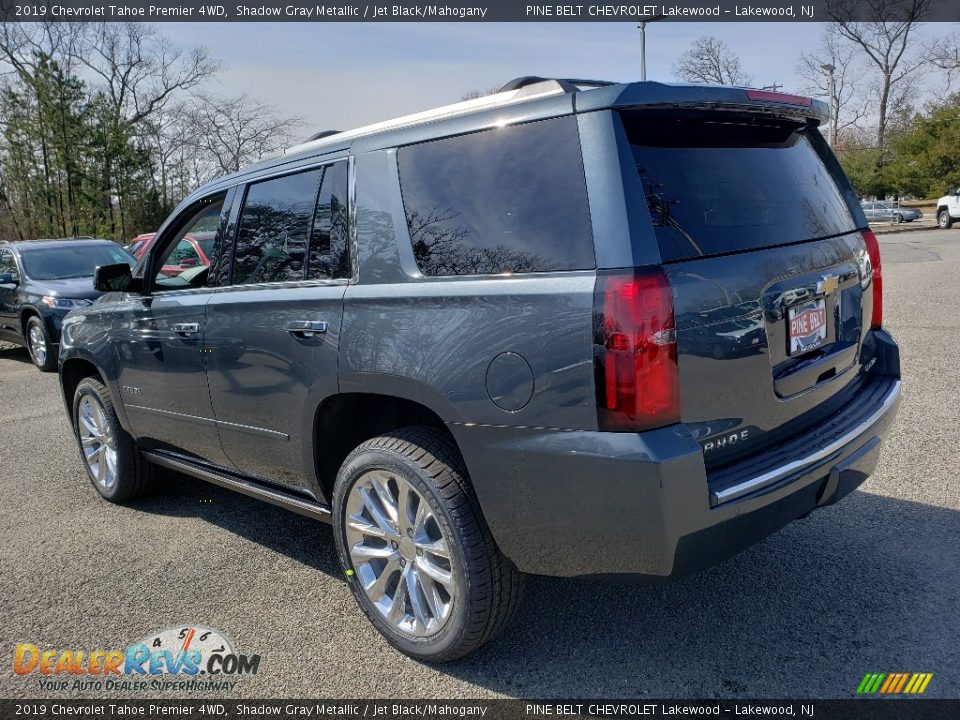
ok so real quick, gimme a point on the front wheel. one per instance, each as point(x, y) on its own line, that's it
point(417, 552)
point(42, 350)
point(113, 463)
point(944, 220)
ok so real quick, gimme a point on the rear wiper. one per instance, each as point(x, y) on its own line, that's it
point(660, 214)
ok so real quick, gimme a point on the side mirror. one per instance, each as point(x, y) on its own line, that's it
point(187, 263)
point(114, 278)
point(8, 279)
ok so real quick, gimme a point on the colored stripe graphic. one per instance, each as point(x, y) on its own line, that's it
point(891, 682)
point(894, 683)
point(903, 681)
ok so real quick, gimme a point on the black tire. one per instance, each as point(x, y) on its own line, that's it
point(899, 218)
point(134, 475)
point(944, 220)
point(44, 356)
point(488, 585)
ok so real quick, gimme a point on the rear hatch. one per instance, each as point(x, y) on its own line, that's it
point(769, 271)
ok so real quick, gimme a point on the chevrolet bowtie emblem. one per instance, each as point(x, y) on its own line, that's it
point(827, 284)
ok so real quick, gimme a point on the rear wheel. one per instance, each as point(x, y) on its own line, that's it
point(944, 220)
point(418, 554)
point(113, 463)
point(42, 350)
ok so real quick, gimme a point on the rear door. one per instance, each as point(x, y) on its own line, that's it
point(273, 330)
point(768, 268)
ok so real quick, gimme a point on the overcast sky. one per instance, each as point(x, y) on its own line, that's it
point(341, 75)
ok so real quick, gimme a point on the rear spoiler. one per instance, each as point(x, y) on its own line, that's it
point(656, 95)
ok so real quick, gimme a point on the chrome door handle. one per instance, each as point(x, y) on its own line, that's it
point(306, 328)
point(186, 328)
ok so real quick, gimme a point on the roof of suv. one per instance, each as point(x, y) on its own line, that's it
point(588, 95)
point(564, 97)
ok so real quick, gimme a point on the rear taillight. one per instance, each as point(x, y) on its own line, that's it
point(873, 252)
point(636, 350)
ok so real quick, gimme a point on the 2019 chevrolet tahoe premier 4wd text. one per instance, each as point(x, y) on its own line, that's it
point(569, 329)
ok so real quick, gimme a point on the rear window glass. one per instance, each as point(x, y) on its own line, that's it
point(718, 184)
point(511, 199)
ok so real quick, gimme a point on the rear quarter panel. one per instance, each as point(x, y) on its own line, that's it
point(432, 340)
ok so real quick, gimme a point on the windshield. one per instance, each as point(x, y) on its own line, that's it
point(718, 184)
point(71, 261)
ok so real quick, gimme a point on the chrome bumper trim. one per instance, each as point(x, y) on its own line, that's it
point(754, 484)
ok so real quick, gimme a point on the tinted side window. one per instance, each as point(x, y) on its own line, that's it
point(274, 227)
point(512, 199)
point(329, 253)
point(200, 221)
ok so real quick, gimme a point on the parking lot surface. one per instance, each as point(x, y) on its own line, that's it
point(869, 585)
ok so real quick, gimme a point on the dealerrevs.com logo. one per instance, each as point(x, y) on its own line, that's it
point(187, 657)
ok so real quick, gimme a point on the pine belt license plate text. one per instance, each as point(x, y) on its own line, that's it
point(808, 326)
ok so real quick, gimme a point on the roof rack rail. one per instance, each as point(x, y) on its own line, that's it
point(519, 90)
point(322, 134)
point(567, 84)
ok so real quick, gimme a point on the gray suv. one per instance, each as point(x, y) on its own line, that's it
point(572, 328)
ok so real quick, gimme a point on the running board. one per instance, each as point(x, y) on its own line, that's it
point(241, 485)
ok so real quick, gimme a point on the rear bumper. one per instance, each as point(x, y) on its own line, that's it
point(570, 503)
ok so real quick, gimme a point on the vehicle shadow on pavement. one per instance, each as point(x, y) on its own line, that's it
point(869, 585)
point(873, 582)
point(15, 352)
point(300, 538)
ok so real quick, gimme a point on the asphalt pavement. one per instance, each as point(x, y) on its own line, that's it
point(869, 585)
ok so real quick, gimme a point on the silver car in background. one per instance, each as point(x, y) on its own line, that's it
point(880, 211)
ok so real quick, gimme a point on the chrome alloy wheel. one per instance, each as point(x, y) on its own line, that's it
point(38, 345)
point(399, 553)
point(97, 441)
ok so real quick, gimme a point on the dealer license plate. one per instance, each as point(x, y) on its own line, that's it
point(807, 326)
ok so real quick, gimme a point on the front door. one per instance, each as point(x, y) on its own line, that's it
point(160, 344)
point(272, 335)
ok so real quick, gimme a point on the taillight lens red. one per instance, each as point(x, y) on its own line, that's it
point(873, 252)
point(638, 384)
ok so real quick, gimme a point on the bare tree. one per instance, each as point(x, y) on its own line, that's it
point(710, 60)
point(238, 131)
point(945, 54)
point(846, 94)
point(141, 69)
point(24, 45)
point(887, 43)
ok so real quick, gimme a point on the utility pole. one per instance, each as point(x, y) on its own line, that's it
point(834, 109)
point(643, 43)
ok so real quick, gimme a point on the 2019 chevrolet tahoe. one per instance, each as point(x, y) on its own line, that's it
point(572, 328)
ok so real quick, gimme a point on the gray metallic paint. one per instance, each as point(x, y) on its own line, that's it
point(556, 493)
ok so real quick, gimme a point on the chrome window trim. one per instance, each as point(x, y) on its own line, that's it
point(770, 477)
